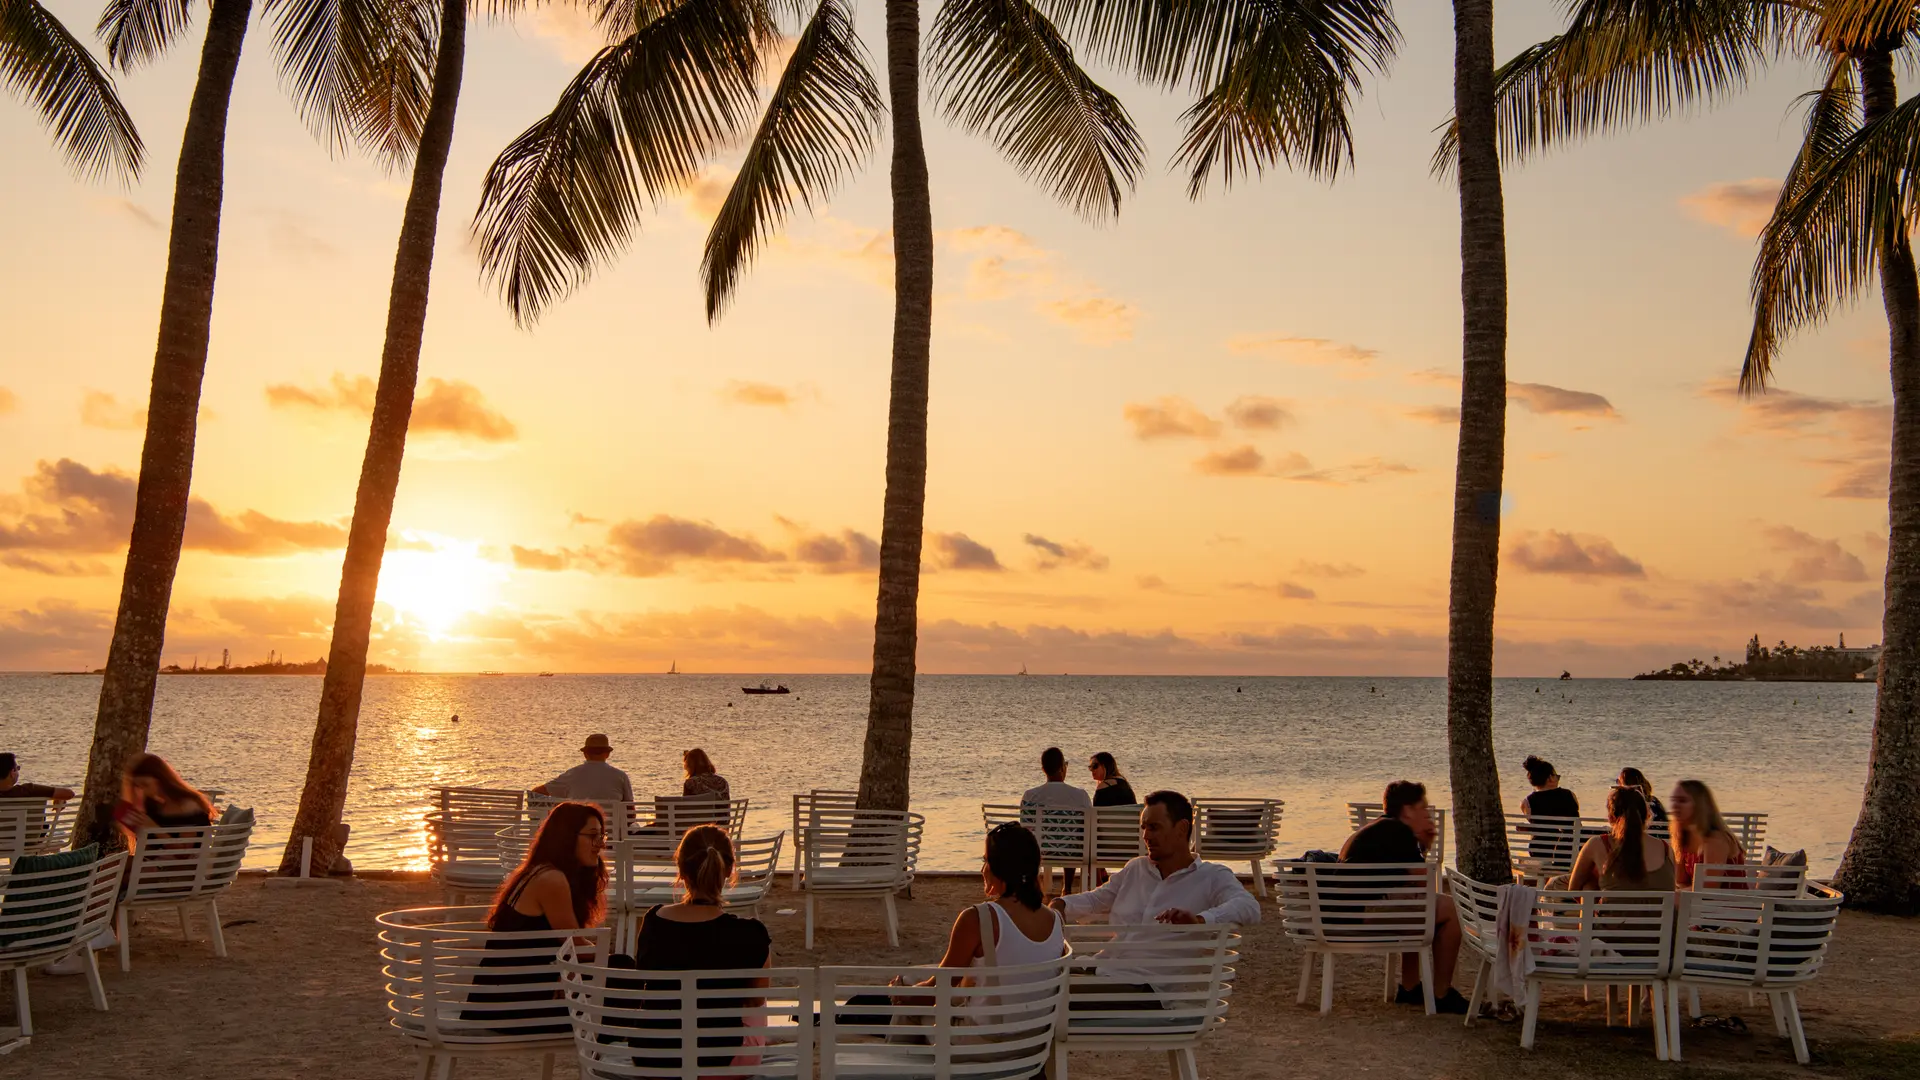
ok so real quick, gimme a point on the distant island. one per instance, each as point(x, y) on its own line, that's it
point(1781, 663)
point(274, 665)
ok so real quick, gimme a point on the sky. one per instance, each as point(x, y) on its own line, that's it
point(1216, 436)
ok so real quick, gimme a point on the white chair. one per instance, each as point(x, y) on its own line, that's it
point(855, 854)
point(1609, 939)
point(629, 1024)
point(1750, 828)
point(467, 801)
point(1362, 814)
point(45, 915)
point(1752, 941)
point(804, 804)
point(658, 837)
point(1238, 830)
point(1116, 838)
point(456, 989)
point(34, 827)
point(1190, 969)
point(1544, 846)
point(1064, 833)
point(1477, 905)
point(185, 869)
point(1750, 877)
point(638, 884)
point(471, 856)
point(1003, 1028)
point(1363, 909)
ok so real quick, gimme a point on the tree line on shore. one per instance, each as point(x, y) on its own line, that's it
point(1270, 85)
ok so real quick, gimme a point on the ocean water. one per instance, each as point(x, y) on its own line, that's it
point(1795, 750)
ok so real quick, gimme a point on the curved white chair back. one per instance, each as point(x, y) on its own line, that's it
point(1478, 907)
point(46, 914)
point(472, 855)
point(1754, 941)
point(1600, 939)
point(1358, 908)
point(634, 885)
point(658, 836)
point(1238, 830)
point(802, 805)
point(184, 868)
point(1188, 970)
point(456, 989)
point(1065, 833)
point(640, 1025)
point(1004, 1027)
point(1362, 814)
point(1750, 828)
point(859, 853)
point(1544, 846)
point(1116, 837)
point(480, 801)
point(1766, 880)
point(34, 826)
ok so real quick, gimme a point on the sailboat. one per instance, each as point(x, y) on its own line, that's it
point(1023, 669)
point(673, 668)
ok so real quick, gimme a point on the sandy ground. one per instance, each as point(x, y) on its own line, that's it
point(299, 996)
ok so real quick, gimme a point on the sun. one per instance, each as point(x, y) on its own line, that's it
point(434, 588)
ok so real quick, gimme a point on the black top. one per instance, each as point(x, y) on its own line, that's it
point(1655, 811)
point(1551, 802)
point(1386, 840)
point(1118, 793)
point(192, 818)
point(726, 942)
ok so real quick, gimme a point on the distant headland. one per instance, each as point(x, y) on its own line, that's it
point(275, 664)
point(1780, 663)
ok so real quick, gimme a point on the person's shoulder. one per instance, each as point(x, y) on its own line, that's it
point(745, 925)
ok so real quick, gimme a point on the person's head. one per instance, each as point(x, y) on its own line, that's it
point(1540, 772)
point(1405, 801)
point(1693, 807)
point(597, 748)
point(697, 763)
point(704, 862)
point(1637, 780)
point(151, 781)
point(1011, 867)
point(1054, 764)
point(1103, 767)
point(1627, 817)
point(9, 770)
point(1166, 824)
point(570, 840)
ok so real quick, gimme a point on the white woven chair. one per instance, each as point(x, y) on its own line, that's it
point(638, 1025)
point(46, 915)
point(1065, 833)
point(1190, 969)
point(185, 869)
point(802, 805)
point(1477, 905)
point(1609, 939)
point(855, 854)
point(1238, 830)
point(1362, 814)
point(1544, 847)
point(446, 975)
point(1362, 909)
point(1002, 1029)
point(634, 885)
point(1116, 838)
point(1752, 941)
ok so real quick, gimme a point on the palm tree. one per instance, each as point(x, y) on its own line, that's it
point(562, 197)
point(41, 61)
point(377, 62)
point(138, 31)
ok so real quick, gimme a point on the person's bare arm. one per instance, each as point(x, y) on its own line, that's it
point(1586, 868)
point(538, 789)
point(62, 794)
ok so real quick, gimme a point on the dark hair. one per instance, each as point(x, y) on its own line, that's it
point(1106, 762)
point(554, 846)
point(8, 762)
point(697, 762)
point(1014, 857)
point(1627, 810)
point(1051, 761)
point(155, 768)
point(705, 861)
point(1539, 770)
point(1634, 778)
point(1178, 807)
point(1401, 794)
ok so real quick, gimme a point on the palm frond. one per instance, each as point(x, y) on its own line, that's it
point(388, 109)
point(138, 31)
point(44, 63)
point(634, 125)
point(327, 50)
point(999, 68)
point(820, 124)
point(1855, 25)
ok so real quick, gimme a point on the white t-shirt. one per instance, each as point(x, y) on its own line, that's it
point(593, 781)
point(1057, 793)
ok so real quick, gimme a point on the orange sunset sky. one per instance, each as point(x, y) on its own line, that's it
point(1215, 437)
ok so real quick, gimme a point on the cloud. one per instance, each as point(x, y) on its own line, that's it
point(1554, 401)
point(1290, 591)
point(1150, 582)
point(571, 32)
point(1239, 461)
point(1814, 558)
point(1634, 598)
point(1099, 320)
point(655, 546)
point(68, 507)
point(957, 551)
point(449, 406)
point(1328, 570)
point(1554, 552)
point(737, 392)
point(706, 193)
point(1252, 412)
point(1170, 418)
point(293, 236)
point(526, 558)
point(1766, 601)
point(278, 617)
point(1439, 415)
point(130, 210)
point(254, 533)
point(1741, 207)
point(53, 567)
point(1317, 352)
point(9, 401)
point(1849, 440)
point(102, 410)
point(1006, 264)
point(850, 552)
point(1053, 555)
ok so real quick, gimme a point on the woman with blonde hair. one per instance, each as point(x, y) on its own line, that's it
point(1700, 834)
point(702, 778)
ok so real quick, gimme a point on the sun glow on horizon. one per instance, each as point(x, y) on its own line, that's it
point(436, 588)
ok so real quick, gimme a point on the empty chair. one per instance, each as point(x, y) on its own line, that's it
point(1362, 814)
point(1004, 1027)
point(470, 801)
point(1362, 909)
point(859, 854)
point(1478, 905)
point(1606, 939)
point(456, 989)
point(185, 868)
point(1753, 941)
point(1065, 833)
point(635, 885)
point(1750, 828)
point(645, 1024)
point(673, 815)
point(51, 905)
point(1116, 838)
point(802, 805)
point(1189, 970)
point(1544, 847)
point(24, 826)
point(469, 856)
point(1238, 830)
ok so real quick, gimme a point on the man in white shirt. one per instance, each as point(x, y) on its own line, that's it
point(593, 780)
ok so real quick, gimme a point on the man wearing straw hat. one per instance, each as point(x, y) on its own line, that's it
point(593, 780)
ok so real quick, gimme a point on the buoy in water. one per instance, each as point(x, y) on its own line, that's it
point(456, 718)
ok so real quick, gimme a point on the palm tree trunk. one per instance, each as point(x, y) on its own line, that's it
point(896, 627)
point(325, 796)
point(173, 416)
point(1479, 826)
point(1881, 868)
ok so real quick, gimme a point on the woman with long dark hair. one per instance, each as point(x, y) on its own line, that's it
point(1025, 930)
point(560, 885)
point(154, 796)
point(1625, 858)
point(1110, 788)
point(1633, 778)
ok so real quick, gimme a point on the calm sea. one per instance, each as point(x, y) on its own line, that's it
point(1797, 751)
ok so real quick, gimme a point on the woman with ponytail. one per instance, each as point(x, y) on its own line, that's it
point(1025, 930)
point(1625, 858)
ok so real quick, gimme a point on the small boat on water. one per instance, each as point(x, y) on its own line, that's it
point(673, 668)
point(546, 674)
point(763, 688)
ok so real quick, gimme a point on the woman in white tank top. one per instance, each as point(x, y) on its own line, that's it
point(1025, 930)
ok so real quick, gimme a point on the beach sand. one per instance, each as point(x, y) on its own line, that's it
point(299, 996)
